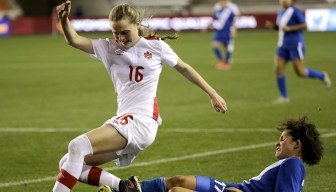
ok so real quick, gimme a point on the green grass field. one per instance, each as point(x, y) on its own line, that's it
point(46, 84)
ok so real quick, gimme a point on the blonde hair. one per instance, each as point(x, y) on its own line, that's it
point(123, 11)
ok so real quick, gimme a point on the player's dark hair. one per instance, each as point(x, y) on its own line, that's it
point(301, 129)
point(122, 11)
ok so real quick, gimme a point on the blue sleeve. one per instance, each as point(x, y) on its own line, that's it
point(299, 17)
point(232, 16)
point(290, 176)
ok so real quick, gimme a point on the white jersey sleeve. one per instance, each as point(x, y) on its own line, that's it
point(168, 55)
point(100, 46)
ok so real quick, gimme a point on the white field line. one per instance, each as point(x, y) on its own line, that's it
point(180, 130)
point(159, 161)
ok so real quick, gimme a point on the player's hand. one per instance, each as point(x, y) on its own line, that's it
point(286, 28)
point(63, 10)
point(204, 30)
point(269, 24)
point(233, 189)
point(218, 103)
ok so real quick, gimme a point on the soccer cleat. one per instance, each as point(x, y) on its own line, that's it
point(281, 100)
point(106, 188)
point(326, 80)
point(132, 184)
point(223, 66)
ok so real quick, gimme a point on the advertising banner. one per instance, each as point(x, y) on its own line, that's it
point(321, 19)
point(4, 27)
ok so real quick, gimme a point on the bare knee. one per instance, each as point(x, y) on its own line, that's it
point(301, 73)
point(299, 68)
point(216, 44)
point(279, 70)
point(279, 66)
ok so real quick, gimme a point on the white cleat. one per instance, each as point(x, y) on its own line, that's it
point(281, 100)
point(327, 80)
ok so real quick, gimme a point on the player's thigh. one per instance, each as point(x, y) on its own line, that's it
point(280, 64)
point(106, 139)
point(188, 182)
point(216, 44)
point(297, 58)
point(299, 68)
point(99, 159)
point(282, 56)
point(180, 189)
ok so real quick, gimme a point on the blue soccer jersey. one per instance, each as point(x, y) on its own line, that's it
point(289, 17)
point(286, 175)
point(222, 21)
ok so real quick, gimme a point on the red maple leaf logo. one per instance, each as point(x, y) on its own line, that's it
point(148, 55)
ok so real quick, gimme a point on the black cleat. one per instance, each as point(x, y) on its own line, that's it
point(132, 184)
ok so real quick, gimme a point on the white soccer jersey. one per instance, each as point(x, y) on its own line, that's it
point(135, 72)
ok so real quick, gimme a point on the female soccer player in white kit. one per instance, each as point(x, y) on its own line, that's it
point(133, 59)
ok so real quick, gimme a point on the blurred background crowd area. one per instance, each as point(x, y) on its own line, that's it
point(18, 8)
point(22, 17)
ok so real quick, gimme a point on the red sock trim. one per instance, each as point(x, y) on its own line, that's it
point(94, 176)
point(66, 179)
point(156, 110)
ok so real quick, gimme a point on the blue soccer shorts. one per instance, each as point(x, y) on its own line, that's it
point(291, 54)
point(208, 184)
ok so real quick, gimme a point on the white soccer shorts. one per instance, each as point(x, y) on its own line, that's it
point(140, 132)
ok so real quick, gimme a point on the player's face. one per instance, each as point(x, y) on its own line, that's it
point(285, 3)
point(285, 147)
point(125, 32)
point(223, 3)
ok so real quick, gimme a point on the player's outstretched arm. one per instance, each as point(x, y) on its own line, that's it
point(70, 35)
point(270, 25)
point(187, 71)
point(298, 27)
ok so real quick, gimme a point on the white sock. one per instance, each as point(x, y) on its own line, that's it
point(96, 176)
point(72, 167)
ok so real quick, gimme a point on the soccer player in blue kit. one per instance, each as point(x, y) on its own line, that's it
point(299, 143)
point(291, 47)
point(223, 20)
